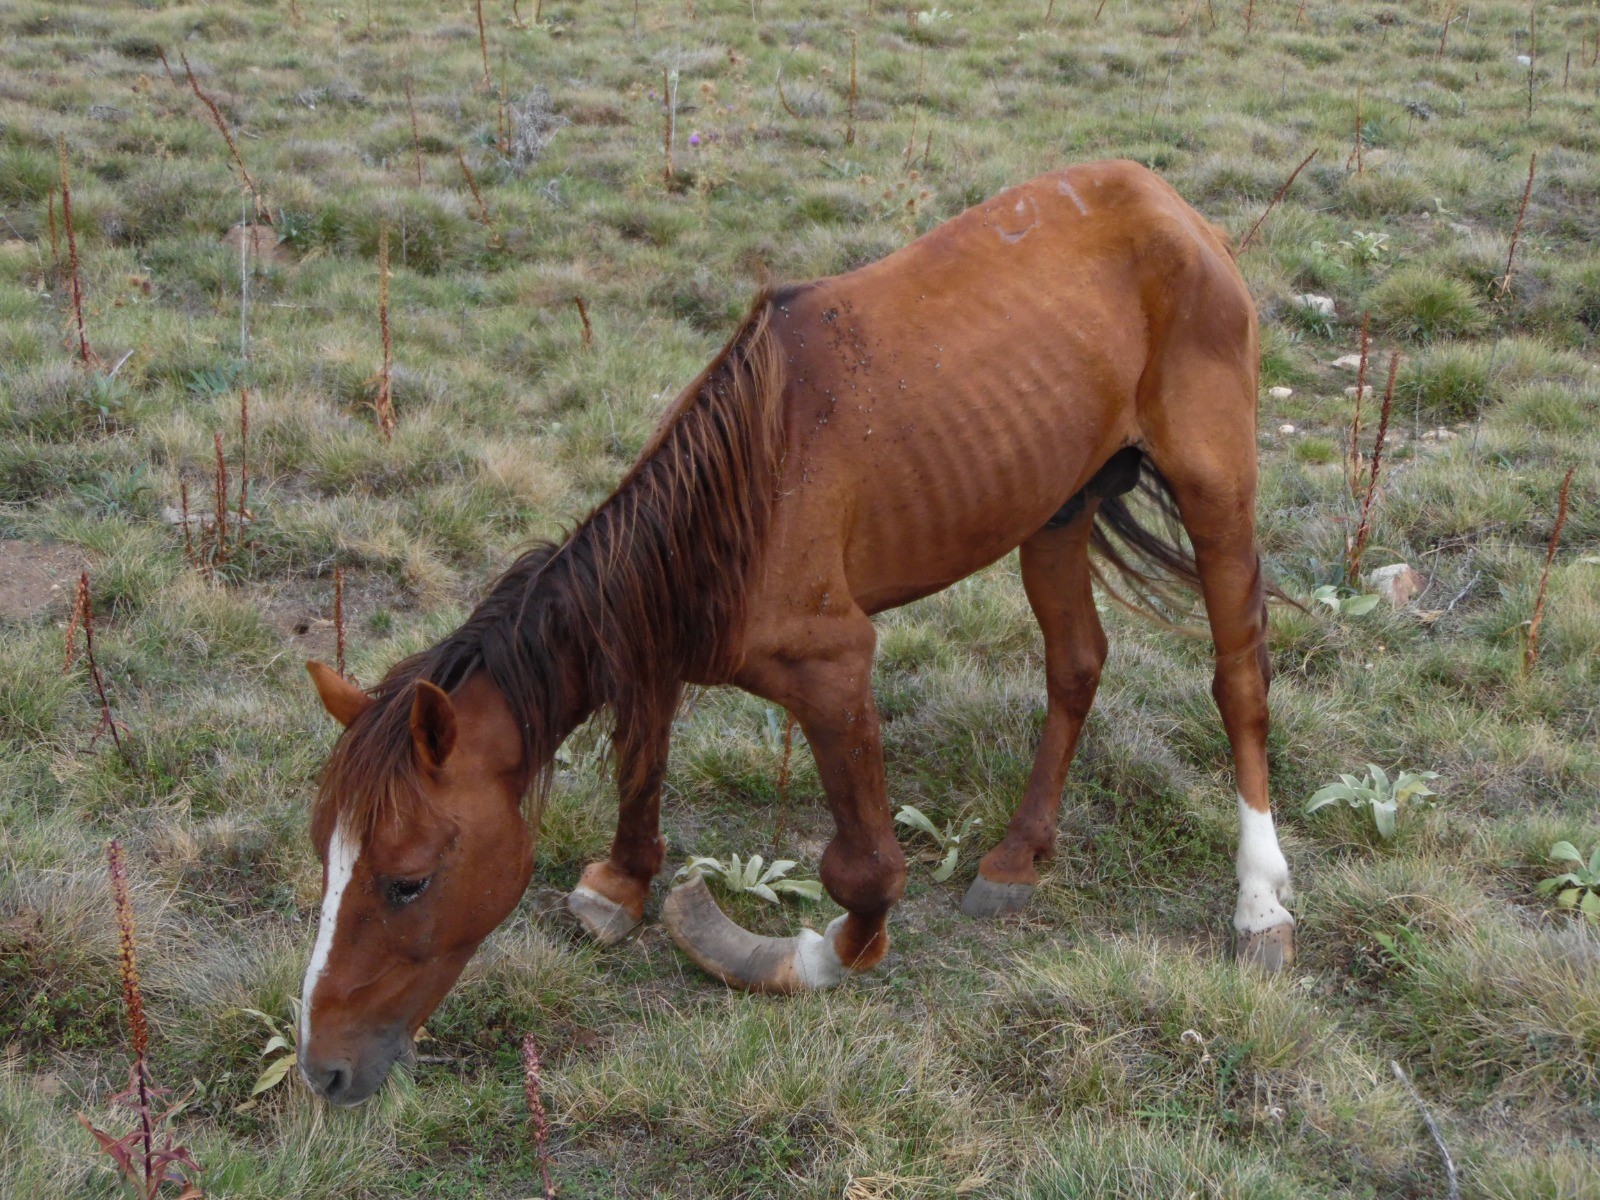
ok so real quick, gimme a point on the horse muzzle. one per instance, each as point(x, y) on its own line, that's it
point(346, 1076)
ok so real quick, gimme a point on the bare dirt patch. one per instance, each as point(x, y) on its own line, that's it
point(35, 578)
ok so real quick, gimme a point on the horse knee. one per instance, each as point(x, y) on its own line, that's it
point(1073, 684)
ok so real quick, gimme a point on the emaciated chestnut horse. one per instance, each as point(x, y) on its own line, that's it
point(861, 441)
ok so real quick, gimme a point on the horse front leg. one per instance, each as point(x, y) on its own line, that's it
point(609, 899)
point(863, 869)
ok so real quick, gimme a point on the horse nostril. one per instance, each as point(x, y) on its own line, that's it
point(334, 1082)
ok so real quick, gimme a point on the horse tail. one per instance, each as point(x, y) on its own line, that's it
point(1138, 534)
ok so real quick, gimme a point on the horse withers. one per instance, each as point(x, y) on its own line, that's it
point(1006, 381)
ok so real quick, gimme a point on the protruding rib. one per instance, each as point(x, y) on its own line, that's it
point(743, 959)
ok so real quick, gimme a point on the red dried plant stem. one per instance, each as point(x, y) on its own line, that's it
point(1516, 234)
point(76, 280)
point(1530, 653)
point(1300, 14)
point(222, 128)
point(385, 401)
point(244, 463)
point(127, 962)
point(338, 622)
point(1273, 203)
point(1364, 529)
point(784, 100)
point(132, 998)
point(80, 598)
point(172, 77)
point(1100, 8)
point(1449, 15)
point(1249, 17)
point(84, 607)
point(1355, 421)
point(416, 138)
point(1533, 56)
point(583, 315)
point(483, 44)
point(666, 136)
point(850, 100)
point(1355, 154)
point(783, 783)
point(219, 531)
point(472, 186)
point(533, 1090)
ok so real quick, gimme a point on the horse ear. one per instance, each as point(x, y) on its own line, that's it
point(343, 699)
point(433, 725)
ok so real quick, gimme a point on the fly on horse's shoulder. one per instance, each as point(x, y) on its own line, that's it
point(1015, 379)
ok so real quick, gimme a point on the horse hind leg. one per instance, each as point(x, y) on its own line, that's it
point(1211, 470)
point(1056, 576)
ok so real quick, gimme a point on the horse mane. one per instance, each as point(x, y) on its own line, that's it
point(648, 591)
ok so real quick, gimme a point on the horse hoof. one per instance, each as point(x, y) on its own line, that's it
point(1270, 949)
point(744, 960)
point(985, 898)
point(606, 921)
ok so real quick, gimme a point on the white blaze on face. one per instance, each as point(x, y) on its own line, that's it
point(1263, 874)
point(343, 851)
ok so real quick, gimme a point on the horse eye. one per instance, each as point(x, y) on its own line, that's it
point(404, 891)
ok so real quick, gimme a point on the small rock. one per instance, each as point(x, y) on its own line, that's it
point(1398, 584)
point(1280, 393)
point(1285, 428)
point(1350, 362)
point(1366, 392)
point(1319, 304)
point(1524, 61)
point(336, 94)
point(1442, 434)
point(1462, 228)
point(174, 516)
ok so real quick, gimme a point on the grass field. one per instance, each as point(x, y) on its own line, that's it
point(1104, 1045)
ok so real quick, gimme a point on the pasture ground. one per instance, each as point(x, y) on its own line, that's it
point(1103, 1046)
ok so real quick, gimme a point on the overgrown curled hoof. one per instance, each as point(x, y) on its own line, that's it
point(1270, 949)
point(985, 898)
point(604, 920)
point(742, 959)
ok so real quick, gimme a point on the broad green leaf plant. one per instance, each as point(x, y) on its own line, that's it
point(1579, 887)
point(755, 877)
point(947, 839)
point(1375, 792)
point(1344, 601)
point(280, 1042)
